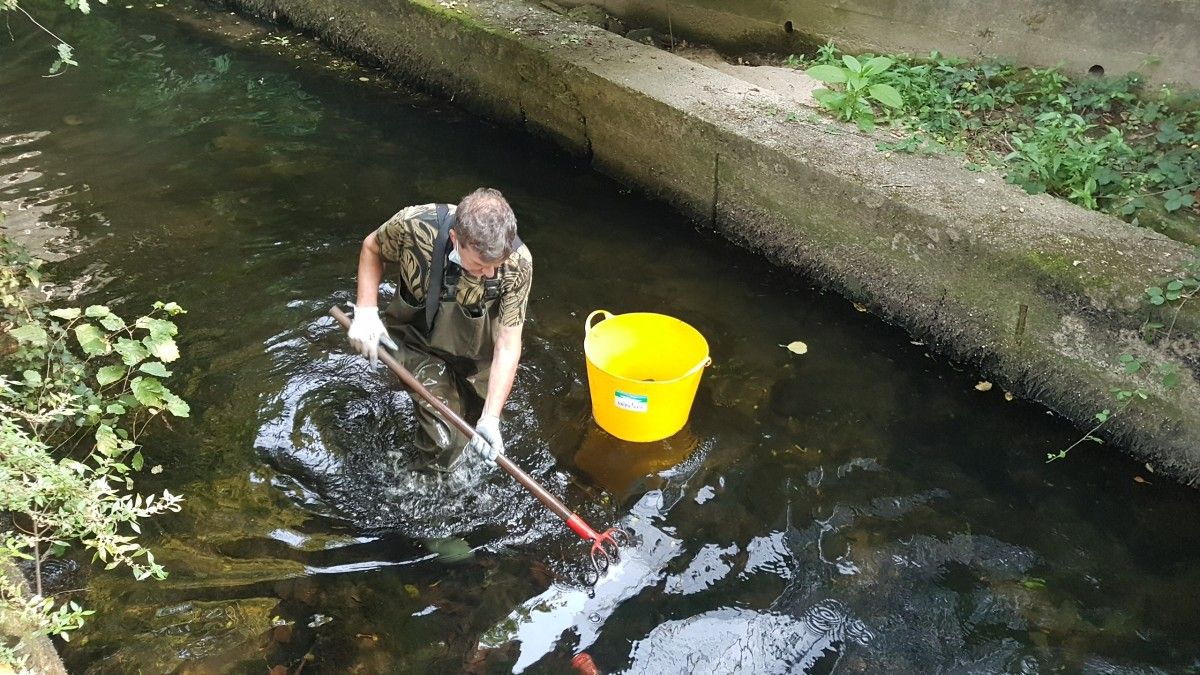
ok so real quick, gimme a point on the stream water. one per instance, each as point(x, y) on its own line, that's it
point(860, 508)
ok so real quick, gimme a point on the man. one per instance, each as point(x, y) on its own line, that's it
point(460, 303)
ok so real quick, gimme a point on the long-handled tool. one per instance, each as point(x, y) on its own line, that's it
point(605, 545)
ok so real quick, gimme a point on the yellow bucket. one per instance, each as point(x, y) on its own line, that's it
point(643, 370)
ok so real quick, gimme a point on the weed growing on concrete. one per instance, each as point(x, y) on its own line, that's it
point(859, 85)
point(1108, 144)
point(1171, 296)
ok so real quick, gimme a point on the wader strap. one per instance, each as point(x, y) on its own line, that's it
point(441, 247)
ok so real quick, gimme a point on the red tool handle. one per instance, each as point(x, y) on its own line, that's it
point(573, 521)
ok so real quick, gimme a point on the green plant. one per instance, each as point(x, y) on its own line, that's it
point(83, 386)
point(859, 84)
point(64, 51)
point(1103, 143)
point(794, 61)
point(1123, 397)
point(1057, 154)
point(1174, 294)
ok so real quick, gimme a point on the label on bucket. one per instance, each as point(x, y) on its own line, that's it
point(632, 402)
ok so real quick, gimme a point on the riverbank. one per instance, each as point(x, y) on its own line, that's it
point(1040, 296)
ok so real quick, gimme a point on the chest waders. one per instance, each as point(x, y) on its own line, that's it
point(447, 347)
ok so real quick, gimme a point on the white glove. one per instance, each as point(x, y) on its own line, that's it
point(366, 331)
point(487, 441)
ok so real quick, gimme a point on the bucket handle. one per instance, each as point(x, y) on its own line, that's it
point(699, 366)
point(587, 323)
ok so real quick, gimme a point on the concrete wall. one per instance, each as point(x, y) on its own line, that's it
point(1159, 38)
point(43, 659)
point(1039, 295)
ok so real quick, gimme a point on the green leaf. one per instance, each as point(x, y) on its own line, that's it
point(31, 333)
point(887, 95)
point(827, 74)
point(148, 391)
point(92, 340)
point(1175, 285)
point(115, 409)
point(107, 442)
point(171, 308)
point(852, 63)
point(865, 122)
point(68, 313)
point(163, 348)
point(112, 322)
point(1133, 367)
point(157, 327)
point(32, 377)
point(137, 461)
point(109, 374)
point(132, 351)
point(96, 311)
point(877, 65)
point(65, 54)
point(177, 406)
point(154, 368)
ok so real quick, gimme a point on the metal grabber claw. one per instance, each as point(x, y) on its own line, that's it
point(607, 547)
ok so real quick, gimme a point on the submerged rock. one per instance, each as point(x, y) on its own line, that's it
point(206, 636)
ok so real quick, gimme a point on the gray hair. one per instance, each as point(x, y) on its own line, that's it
point(485, 223)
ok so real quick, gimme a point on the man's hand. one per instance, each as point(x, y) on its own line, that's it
point(366, 331)
point(487, 441)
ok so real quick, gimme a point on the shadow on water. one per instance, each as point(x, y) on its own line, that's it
point(860, 508)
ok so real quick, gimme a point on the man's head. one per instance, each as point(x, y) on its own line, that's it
point(484, 231)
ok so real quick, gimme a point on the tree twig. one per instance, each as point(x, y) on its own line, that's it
point(35, 22)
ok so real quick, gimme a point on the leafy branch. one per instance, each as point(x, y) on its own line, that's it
point(64, 51)
point(84, 385)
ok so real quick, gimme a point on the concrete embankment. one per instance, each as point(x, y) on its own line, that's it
point(1040, 296)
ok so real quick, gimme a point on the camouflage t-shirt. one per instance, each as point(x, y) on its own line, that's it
point(407, 239)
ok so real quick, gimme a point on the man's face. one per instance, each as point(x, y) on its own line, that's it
point(472, 263)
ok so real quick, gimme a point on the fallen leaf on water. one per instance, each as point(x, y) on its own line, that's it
point(860, 307)
point(1008, 396)
point(796, 347)
point(1139, 479)
point(984, 385)
point(413, 591)
point(1149, 468)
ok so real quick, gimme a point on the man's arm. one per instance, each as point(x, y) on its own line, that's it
point(505, 357)
point(370, 272)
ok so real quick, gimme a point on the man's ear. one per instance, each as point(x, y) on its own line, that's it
point(454, 238)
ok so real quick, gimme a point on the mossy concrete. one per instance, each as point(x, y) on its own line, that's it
point(42, 658)
point(1039, 295)
point(1158, 38)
